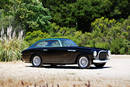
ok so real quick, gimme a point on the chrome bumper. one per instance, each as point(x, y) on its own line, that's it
point(100, 61)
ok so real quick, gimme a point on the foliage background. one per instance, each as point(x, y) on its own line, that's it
point(92, 23)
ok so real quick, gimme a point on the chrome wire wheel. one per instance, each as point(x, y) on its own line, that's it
point(84, 62)
point(36, 61)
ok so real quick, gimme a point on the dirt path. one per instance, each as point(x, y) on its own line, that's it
point(116, 73)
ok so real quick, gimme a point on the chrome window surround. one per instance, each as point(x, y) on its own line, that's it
point(60, 43)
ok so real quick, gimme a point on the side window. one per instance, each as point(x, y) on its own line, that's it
point(41, 44)
point(55, 43)
point(48, 43)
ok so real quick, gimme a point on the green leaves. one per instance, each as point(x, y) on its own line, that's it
point(29, 15)
point(33, 16)
point(32, 37)
point(111, 34)
point(80, 13)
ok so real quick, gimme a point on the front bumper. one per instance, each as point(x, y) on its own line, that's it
point(100, 61)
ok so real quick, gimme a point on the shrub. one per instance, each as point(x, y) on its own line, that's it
point(11, 45)
point(111, 34)
point(32, 37)
point(58, 32)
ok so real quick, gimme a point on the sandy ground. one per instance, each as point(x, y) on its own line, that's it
point(116, 73)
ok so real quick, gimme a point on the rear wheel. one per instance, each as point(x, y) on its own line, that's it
point(84, 62)
point(36, 61)
point(99, 65)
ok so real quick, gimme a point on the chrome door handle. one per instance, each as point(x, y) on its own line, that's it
point(72, 50)
point(45, 49)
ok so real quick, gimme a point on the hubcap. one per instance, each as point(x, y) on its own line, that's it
point(83, 61)
point(36, 61)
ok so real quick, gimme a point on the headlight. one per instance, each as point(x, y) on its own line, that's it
point(109, 52)
point(94, 53)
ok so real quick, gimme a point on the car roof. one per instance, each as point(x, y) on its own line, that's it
point(48, 39)
point(54, 39)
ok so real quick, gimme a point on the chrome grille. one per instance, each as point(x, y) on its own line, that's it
point(103, 55)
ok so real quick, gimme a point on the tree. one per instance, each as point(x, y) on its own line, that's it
point(80, 13)
point(119, 9)
point(7, 14)
point(32, 15)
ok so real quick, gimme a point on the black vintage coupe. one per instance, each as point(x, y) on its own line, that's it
point(59, 51)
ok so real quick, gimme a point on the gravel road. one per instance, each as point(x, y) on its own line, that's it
point(116, 73)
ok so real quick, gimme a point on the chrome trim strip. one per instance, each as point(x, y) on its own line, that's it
point(72, 50)
point(45, 49)
point(97, 57)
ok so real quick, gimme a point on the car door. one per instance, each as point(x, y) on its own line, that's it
point(52, 52)
point(70, 53)
point(59, 55)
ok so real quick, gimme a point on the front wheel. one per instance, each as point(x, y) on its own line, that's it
point(36, 61)
point(99, 65)
point(84, 62)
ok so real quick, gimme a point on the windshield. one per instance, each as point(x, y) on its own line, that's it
point(68, 43)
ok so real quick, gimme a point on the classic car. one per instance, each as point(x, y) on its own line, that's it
point(60, 51)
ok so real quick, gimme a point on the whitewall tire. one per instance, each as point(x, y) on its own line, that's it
point(84, 62)
point(36, 61)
